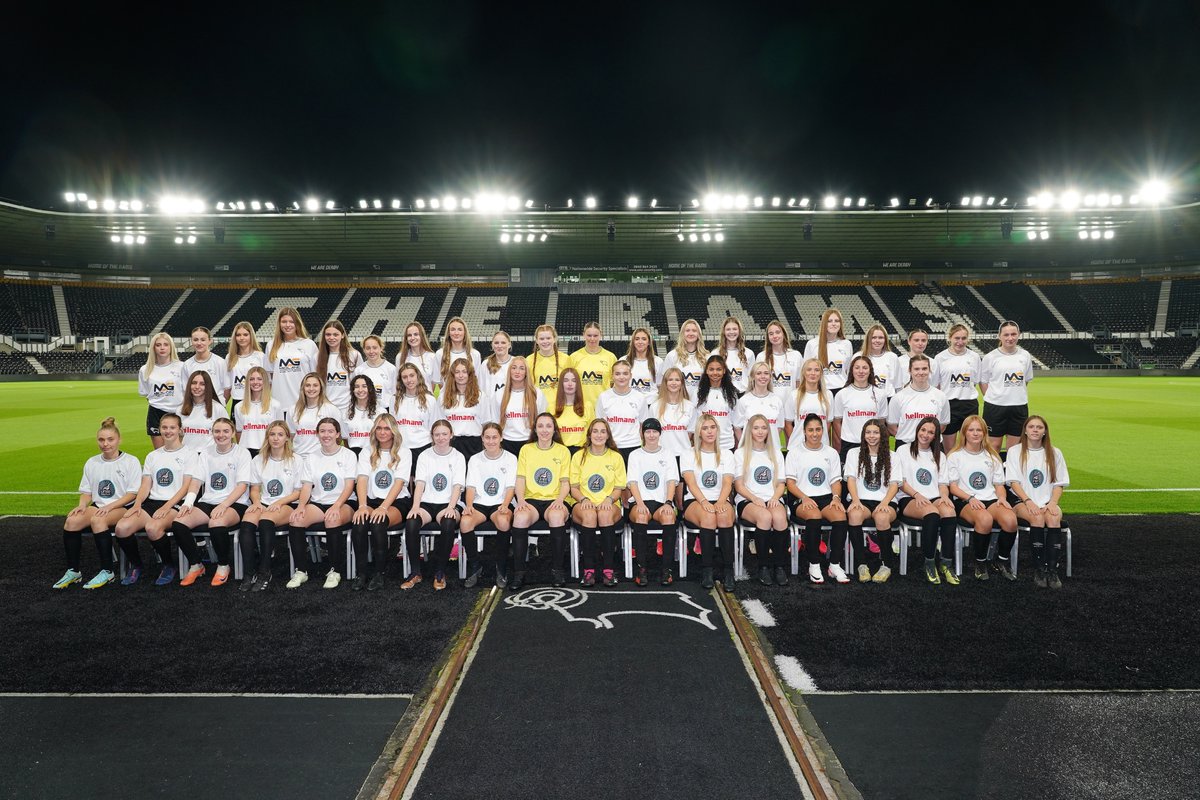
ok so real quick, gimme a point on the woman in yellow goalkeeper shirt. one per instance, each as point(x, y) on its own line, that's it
point(543, 468)
point(597, 479)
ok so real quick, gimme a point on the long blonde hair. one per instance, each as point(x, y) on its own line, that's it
point(394, 450)
point(696, 442)
point(631, 356)
point(231, 360)
point(866, 345)
point(960, 442)
point(288, 453)
point(301, 403)
point(422, 392)
point(537, 350)
point(265, 398)
point(467, 346)
point(681, 349)
point(277, 339)
point(404, 349)
point(748, 444)
point(1050, 450)
point(151, 363)
point(802, 389)
point(493, 364)
point(529, 398)
point(663, 393)
point(822, 350)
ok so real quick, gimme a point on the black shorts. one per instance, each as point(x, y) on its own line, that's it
point(153, 417)
point(874, 504)
point(541, 506)
point(151, 507)
point(350, 504)
point(651, 505)
point(433, 509)
point(822, 502)
point(903, 506)
point(401, 504)
point(487, 511)
point(207, 508)
point(741, 505)
point(1005, 420)
point(959, 411)
point(687, 501)
point(416, 453)
point(960, 504)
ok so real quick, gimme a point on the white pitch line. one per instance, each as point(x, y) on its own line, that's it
point(758, 613)
point(1006, 691)
point(277, 695)
point(796, 676)
point(36, 493)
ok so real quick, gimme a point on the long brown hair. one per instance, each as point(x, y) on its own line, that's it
point(288, 453)
point(608, 442)
point(881, 472)
point(277, 339)
point(344, 350)
point(493, 363)
point(467, 346)
point(425, 348)
point(302, 403)
point(210, 395)
point(529, 398)
point(822, 350)
point(422, 392)
point(631, 356)
point(560, 397)
point(935, 447)
point(1051, 459)
point(769, 349)
point(231, 359)
point(450, 396)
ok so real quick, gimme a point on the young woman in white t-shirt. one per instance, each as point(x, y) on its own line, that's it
point(415, 349)
point(1004, 376)
point(738, 357)
point(1037, 474)
point(653, 474)
point(623, 409)
point(689, 354)
point(330, 505)
point(437, 487)
point(244, 353)
point(760, 483)
point(810, 397)
point(201, 408)
point(814, 479)
point(280, 484)
point(380, 371)
point(360, 414)
point(465, 407)
point(707, 473)
point(415, 410)
point(832, 349)
point(647, 367)
point(488, 496)
point(519, 405)
point(456, 344)
point(860, 400)
point(918, 342)
point(886, 364)
point(956, 372)
point(759, 399)
point(718, 398)
point(255, 410)
point(205, 360)
point(784, 360)
point(292, 355)
point(493, 375)
point(384, 467)
point(920, 466)
point(160, 381)
point(869, 473)
point(975, 476)
point(312, 407)
point(337, 362)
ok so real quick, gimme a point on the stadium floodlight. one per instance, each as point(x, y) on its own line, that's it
point(804, 202)
point(1135, 199)
point(127, 238)
point(1083, 234)
point(450, 203)
point(791, 202)
point(69, 197)
point(330, 205)
point(741, 201)
point(435, 203)
point(966, 201)
point(255, 205)
point(123, 205)
point(92, 205)
point(529, 204)
point(1116, 199)
point(590, 202)
point(136, 205)
point(196, 206)
point(654, 202)
point(706, 236)
point(1045, 200)
point(862, 202)
point(178, 240)
point(513, 203)
point(1069, 199)
point(529, 237)
point(1043, 235)
point(1102, 200)
point(991, 201)
point(116, 239)
point(976, 201)
point(929, 202)
point(692, 237)
point(720, 237)
point(1003, 201)
point(679, 236)
point(758, 202)
point(504, 237)
point(466, 203)
point(241, 205)
point(1108, 234)
point(395, 204)
point(570, 203)
point(141, 239)
point(632, 202)
point(895, 202)
point(362, 203)
point(1032, 200)
point(830, 201)
point(81, 196)
point(312, 204)
point(420, 202)
point(1095, 234)
point(1032, 235)
point(847, 202)
point(712, 201)
point(191, 239)
point(269, 206)
point(1089, 200)
point(377, 203)
point(544, 237)
point(109, 204)
point(695, 202)
point(726, 201)
point(776, 202)
point(1154, 192)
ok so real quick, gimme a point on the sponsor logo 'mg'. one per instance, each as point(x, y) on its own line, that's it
point(288, 365)
point(163, 388)
point(1014, 378)
point(591, 377)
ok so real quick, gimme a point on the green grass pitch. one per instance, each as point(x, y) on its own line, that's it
point(1115, 432)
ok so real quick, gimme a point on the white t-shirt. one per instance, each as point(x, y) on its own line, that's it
point(975, 473)
point(692, 368)
point(357, 429)
point(416, 423)
point(716, 406)
point(709, 474)
point(854, 406)
point(236, 375)
point(428, 365)
point(624, 414)
point(868, 490)
point(491, 478)
point(920, 473)
point(222, 472)
point(106, 481)
point(785, 371)
point(292, 362)
point(440, 474)
point(492, 383)
point(1035, 478)
point(337, 377)
point(331, 472)
point(384, 475)
point(764, 473)
point(837, 361)
point(751, 404)
point(516, 419)
point(1007, 377)
point(455, 355)
point(166, 470)
point(809, 403)
point(252, 427)
point(214, 365)
point(278, 478)
point(677, 420)
point(163, 387)
point(469, 420)
point(957, 375)
point(197, 426)
point(304, 427)
point(642, 381)
point(910, 406)
point(814, 471)
point(383, 378)
point(887, 372)
point(652, 472)
point(738, 364)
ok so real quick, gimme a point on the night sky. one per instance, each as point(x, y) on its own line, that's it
point(565, 99)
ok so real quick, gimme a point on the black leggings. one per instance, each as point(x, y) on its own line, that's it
point(708, 542)
point(812, 540)
point(335, 541)
point(772, 547)
point(607, 535)
point(257, 559)
point(447, 529)
point(641, 542)
point(933, 525)
point(520, 540)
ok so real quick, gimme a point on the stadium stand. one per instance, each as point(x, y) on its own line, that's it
point(915, 307)
point(803, 306)
point(1063, 353)
point(711, 304)
point(70, 361)
point(125, 365)
point(618, 314)
point(1183, 313)
point(117, 313)
point(1015, 301)
point(1124, 306)
point(315, 306)
point(517, 311)
point(205, 307)
point(27, 310)
point(16, 364)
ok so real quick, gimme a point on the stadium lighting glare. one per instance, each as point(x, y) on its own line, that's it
point(529, 204)
point(1043, 235)
point(421, 202)
point(741, 201)
point(1083, 234)
point(330, 205)
point(1095, 234)
point(895, 202)
point(847, 202)
point(991, 201)
point(109, 204)
point(69, 197)
point(966, 201)
point(127, 238)
point(654, 202)
point(269, 206)
point(362, 204)
point(632, 202)
point(712, 201)
point(1089, 200)
point(776, 202)
point(81, 196)
point(929, 202)
point(312, 204)
point(679, 236)
point(1135, 199)
point(706, 236)
point(136, 205)
point(123, 205)
point(396, 204)
point(140, 239)
point(513, 203)
point(862, 202)
point(92, 205)
point(830, 201)
point(590, 202)
point(695, 203)
point(758, 202)
point(1102, 200)
point(570, 203)
point(976, 201)
point(791, 202)
point(115, 239)
point(1069, 199)
point(726, 201)
point(449, 203)
point(504, 237)
point(241, 205)
point(1108, 234)
point(1116, 199)
point(693, 237)
point(465, 203)
point(1154, 192)
point(255, 205)
point(1032, 200)
point(377, 203)
point(544, 237)
point(1045, 200)
point(1032, 235)
point(178, 240)
point(804, 202)
point(529, 237)
point(435, 203)
point(191, 239)
point(1003, 201)
point(720, 237)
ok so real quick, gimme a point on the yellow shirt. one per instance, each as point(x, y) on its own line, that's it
point(597, 476)
point(572, 426)
point(543, 470)
point(545, 373)
point(595, 371)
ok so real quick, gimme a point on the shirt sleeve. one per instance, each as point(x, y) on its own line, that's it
point(576, 470)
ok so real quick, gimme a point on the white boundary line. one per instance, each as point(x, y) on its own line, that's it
point(273, 695)
point(1007, 691)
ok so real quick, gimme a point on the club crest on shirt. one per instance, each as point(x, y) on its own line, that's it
point(763, 475)
point(872, 485)
point(440, 482)
point(218, 480)
point(274, 488)
point(1036, 478)
point(708, 479)
point(491, 487)
point(543, 476)
point(383, 479)
point(164, 477)
point(924, 477)
point(650, 479)
point(978, 480)
point(106, 489)
point(816, 476)
point(329, 481)
point(595, 483)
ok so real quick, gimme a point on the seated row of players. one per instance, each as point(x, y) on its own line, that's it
point(511, 390)
point(222, 488)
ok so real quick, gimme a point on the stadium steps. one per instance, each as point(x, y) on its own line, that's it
point(439, 325)
point(233, 309)
point(984, 302)
point(672, 315)
point(552, 309)
point(37, 365)
point(1164, 302)
point(1052, 309)
point(162, 323)
point(897, 328)
point(774, 300)
point(60, 310)
point(337, 312)
point(1191, 360)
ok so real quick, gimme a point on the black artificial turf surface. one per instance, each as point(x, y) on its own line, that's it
point(1129, 619)
point(200, 639)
